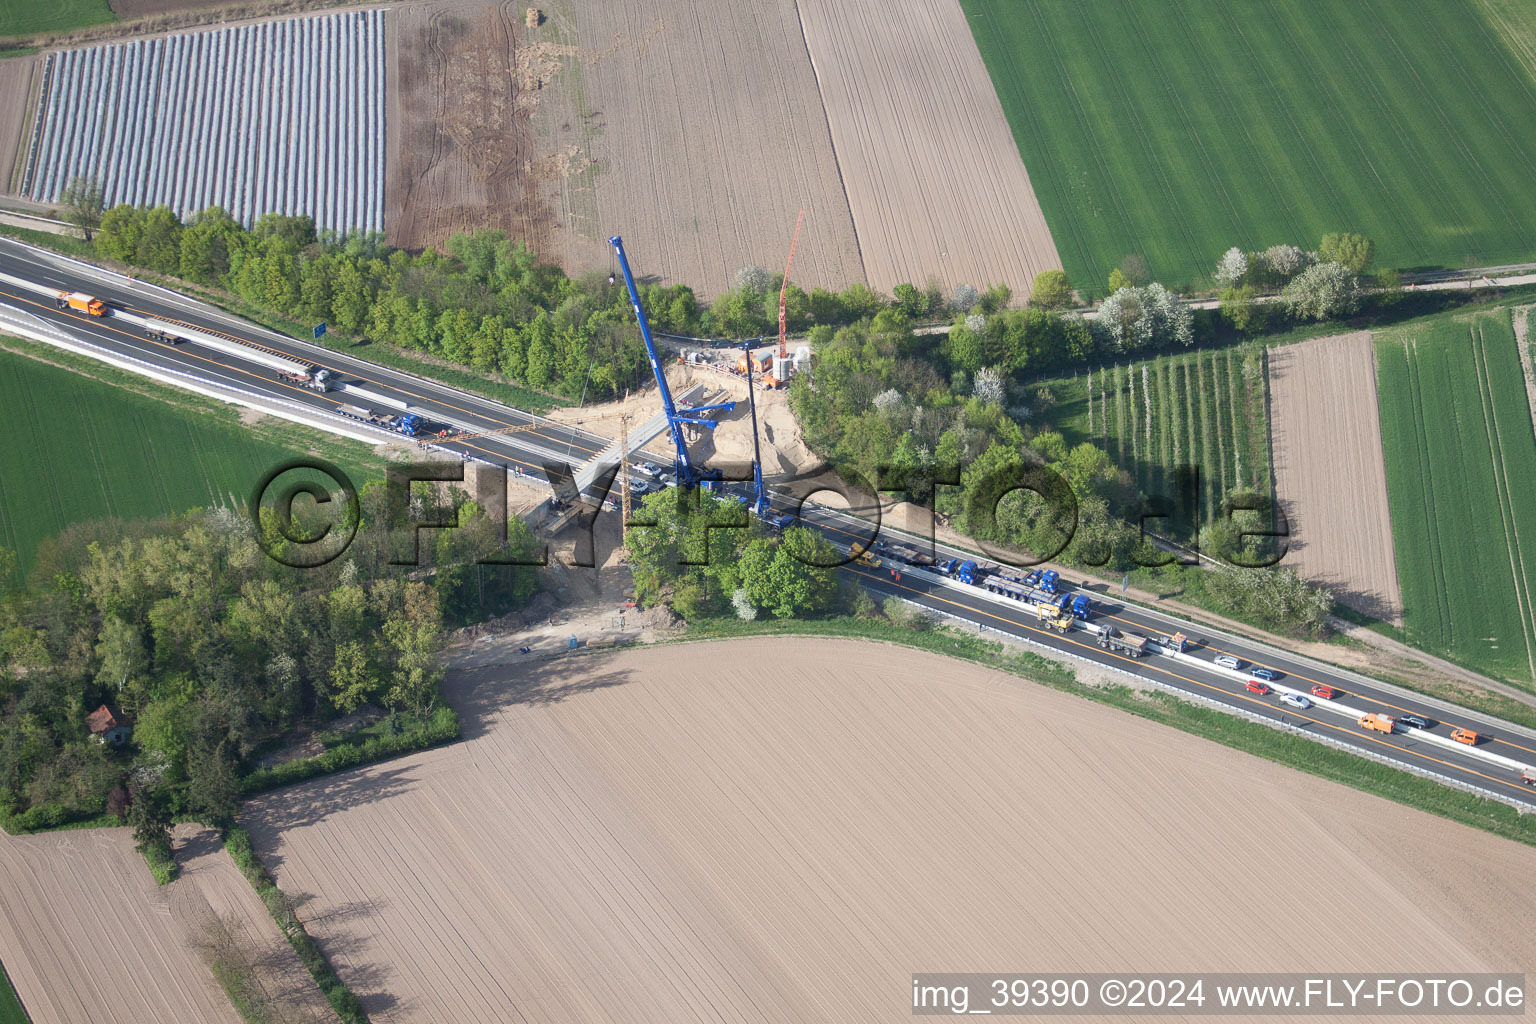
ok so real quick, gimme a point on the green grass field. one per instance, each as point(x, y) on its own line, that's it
point(11, 1011)
point(1461, 481)
point(28, 17)
point(80, 449)
point(1205, 409)
point(1179, 128)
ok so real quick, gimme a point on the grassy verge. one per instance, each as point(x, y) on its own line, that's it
point(378, 742)
point(405, 361)
point(243, 990)
point(278, 904)
point(1287, 748)
point(69, 245)
point(11, 1010)
point(162, 865)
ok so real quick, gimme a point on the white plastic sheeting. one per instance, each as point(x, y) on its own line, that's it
point(279, 117)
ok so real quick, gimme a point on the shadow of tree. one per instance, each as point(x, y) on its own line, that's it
point(305, 803)
point(479, 694)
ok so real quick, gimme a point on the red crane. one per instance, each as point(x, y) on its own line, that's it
point(784, 289)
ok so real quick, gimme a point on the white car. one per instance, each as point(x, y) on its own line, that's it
point(637, 487)
point(1227, 661)
point(1295, 700)
point(649, 469)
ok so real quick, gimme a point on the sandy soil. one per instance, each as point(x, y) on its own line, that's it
point(460, 149)
point(784, 451)
point(15, 112)
point(743, 832)
point(1329, 473)
point(87, 935)
point(934, 179)
point(694, 129)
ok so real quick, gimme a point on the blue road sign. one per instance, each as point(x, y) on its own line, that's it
point(319, 329)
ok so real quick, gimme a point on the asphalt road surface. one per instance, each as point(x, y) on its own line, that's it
point(444, 407)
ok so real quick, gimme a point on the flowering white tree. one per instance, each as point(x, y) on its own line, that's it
point(1231, 267)
point(888, 399)
point(988, 386)
point(1324, 291)
point(743, 605)
point(1171, 320)
point(1284, 260)
point(965, 297)
point(753, 277)
point(1133, 318)
point(975, 322)
point(1122, 322)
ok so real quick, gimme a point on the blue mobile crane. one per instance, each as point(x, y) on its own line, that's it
point(688, 475)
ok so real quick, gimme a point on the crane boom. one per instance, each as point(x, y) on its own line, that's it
point(784, 289)
point(687, 473)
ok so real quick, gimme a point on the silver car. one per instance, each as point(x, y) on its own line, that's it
point(1295, 700)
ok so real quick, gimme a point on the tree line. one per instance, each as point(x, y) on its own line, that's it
point(215, 653)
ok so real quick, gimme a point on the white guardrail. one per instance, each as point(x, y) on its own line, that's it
point(1154, 646)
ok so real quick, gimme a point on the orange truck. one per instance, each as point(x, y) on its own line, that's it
point(1466, 736)
point(81, 301)
point(1376, 723)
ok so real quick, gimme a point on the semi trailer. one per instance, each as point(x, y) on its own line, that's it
point(316, 378)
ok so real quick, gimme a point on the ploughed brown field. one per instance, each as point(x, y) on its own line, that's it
point(934, 179)
point(786, 829)
point(15, 113)
point(694, 129)
point(1329, 473)
point(86, 935)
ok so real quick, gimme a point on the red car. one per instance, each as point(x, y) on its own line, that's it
point(1325, 692)
point(1254, 686)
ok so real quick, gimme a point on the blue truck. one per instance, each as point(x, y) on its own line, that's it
point(1080, 604)
point(1048, 581)
point(408, 424)
point(969, 572)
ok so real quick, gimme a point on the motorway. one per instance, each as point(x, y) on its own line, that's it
point(442, 405)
